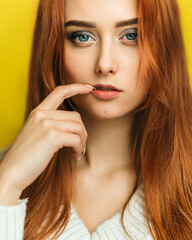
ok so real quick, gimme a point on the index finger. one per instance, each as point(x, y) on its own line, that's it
point(61, 92)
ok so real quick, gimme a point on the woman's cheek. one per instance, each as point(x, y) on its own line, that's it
point(77, 68)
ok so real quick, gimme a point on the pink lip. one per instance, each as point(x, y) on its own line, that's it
point(105, 94)
point(107, 86)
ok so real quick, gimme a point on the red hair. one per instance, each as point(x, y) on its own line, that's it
point(161, 140)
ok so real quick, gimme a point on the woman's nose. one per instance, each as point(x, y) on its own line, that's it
point(106, 63)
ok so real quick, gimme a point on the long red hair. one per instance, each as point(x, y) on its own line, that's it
point(161, 140)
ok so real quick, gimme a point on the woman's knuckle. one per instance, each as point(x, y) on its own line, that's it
point(51, 134)
point(37, 114)
point(77, 140)
point(77, 115)
point(79, 126)
point(45, 123)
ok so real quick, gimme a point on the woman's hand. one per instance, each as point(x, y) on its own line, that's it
point(44, 133)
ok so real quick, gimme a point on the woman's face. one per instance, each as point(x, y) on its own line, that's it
point(103, 53)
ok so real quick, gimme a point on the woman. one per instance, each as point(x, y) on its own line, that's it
point(133, 142)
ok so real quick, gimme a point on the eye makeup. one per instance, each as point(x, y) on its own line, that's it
point(81, 38)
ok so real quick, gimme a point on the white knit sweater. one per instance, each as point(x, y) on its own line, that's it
point(12, 223)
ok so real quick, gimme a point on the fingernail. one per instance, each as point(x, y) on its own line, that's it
point(84, 151)
point(89, 86)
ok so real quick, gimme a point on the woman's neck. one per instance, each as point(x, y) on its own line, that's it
point(107, 145)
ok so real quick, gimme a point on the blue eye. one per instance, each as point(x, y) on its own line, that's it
point(84, 37)
point(80, 36)
point(131, 36)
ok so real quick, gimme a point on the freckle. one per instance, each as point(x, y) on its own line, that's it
point(104, 111)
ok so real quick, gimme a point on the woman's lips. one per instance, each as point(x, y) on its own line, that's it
point(103, 94)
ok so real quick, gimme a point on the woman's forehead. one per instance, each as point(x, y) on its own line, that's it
point(100, 11)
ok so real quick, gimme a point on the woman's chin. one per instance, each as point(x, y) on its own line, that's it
point(104, 113)
point(102, 109)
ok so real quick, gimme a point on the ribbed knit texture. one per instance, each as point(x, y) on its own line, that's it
point(12, 220)
point(12, 223)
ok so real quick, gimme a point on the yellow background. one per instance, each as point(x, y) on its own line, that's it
point(16, 25)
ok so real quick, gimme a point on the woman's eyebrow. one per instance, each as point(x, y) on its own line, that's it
point(93, 25)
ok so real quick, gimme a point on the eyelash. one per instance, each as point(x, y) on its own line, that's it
point(75, 35)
